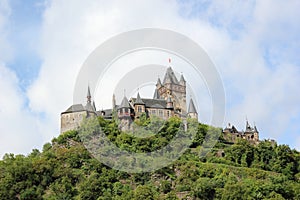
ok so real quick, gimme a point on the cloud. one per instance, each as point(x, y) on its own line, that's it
point(254, 47)
point(18, 126)
point(237, 38)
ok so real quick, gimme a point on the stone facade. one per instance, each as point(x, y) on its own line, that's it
point(169, 100)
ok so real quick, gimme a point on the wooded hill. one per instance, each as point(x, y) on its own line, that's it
point(64, 169)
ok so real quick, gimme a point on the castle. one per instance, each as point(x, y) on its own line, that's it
point(251, 134)
point(169, 100)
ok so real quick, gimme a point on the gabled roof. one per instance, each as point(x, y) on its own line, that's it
point(75, 108)
point(192, 108)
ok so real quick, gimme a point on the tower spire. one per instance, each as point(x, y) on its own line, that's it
point(88, 96)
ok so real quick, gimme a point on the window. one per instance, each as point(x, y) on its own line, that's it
point(139, 108)
point(160, 113)
point(153, 112)
point(168, 113)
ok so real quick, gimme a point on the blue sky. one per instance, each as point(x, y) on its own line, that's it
point(254, 44)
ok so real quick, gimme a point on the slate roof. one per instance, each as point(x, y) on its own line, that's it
point(125, 103)
point(108, 113)
point(158, 82)
point(75, 108)
point(182, 80)
point(139, 100)
point(192, 108)
point(153, 103)
point(89, 107)
point(88, 92)
point(170, 76)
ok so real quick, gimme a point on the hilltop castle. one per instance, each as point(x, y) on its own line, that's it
point(251, 134)
point(169, 100)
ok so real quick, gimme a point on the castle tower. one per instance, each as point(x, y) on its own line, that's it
point(125, 114)
point(139, 106)
point(174, 89)
point(113, 102)
point(250, 133)
point(89, 107)
point(192, 112)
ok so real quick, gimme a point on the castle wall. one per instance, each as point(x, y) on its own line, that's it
point(71, 121)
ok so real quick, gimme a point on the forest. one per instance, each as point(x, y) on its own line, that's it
point(64, 169)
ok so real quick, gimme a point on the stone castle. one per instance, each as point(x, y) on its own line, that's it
point(169, 99)
point(251, 134)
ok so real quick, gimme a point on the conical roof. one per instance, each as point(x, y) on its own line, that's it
point(156, 94)
point(138, 99)
point(125, 103)
point(192, 108)
point(88, 92)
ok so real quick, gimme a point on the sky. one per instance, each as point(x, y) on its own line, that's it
point(254, 45)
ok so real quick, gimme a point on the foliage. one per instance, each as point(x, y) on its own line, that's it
point(65, 169)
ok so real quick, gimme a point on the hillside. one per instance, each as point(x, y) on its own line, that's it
point(66, 170)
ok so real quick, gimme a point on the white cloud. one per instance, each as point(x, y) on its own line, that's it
point(72, 30)
point(18, 126)
point(238, 37)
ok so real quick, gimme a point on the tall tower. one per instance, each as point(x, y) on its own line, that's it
point(174, 89)
point(125, 114)
point(113, 102)
point(89, 107)
point(139, 106)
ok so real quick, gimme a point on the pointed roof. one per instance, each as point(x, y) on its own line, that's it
point(125, 103)
point(158, 82)
point(88, 92)
point(94, 105)
point(248, 127)
point(170, 76)
point(192, 108)
point(88, 96)
point(138, 99)
point(156, 94)
point(182, 80)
